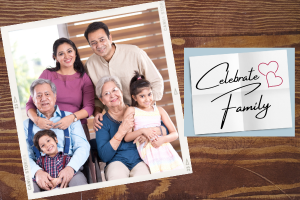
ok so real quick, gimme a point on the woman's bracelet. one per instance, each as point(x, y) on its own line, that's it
point(117, 139)
point(161, 133)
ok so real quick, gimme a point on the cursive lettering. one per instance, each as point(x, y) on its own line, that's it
point(226, 80)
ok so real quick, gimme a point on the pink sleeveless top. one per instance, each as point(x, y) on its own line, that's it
point(146, 119)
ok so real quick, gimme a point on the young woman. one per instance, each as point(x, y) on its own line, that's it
point(75, 91)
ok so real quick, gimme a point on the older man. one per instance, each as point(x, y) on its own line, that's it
point(119, 60)
point(43, 93)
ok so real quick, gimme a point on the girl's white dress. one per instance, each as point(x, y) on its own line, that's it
point(160, 159)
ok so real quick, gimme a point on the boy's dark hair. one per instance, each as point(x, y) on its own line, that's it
point(94, 27)
point(40, 134)
point(137, 83)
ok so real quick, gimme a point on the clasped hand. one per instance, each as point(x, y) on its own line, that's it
point(127, 123)
point(62, 124)
point(43, 179)
point(46, 182)
point(151, 133)
point(157, 143)
point(65, 176)
point(141, 139)
point(44, 123)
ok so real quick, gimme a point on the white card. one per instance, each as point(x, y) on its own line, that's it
point(240, 92)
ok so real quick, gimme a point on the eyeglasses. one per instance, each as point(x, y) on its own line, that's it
point(107, 93)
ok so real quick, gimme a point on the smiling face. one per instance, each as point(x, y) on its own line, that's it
point(111, 95)
point(48, 145)
point(144, 98)
point(44, 99)
point(101, 44)
point(65, 55)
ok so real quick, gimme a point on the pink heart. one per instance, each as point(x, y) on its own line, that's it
point(273, 80)
point(264, 68)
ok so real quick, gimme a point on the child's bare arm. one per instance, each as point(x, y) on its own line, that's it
point(150, 133)
point(173, 135)
point(130, 135)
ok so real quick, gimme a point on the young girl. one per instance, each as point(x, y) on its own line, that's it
point(159, 155)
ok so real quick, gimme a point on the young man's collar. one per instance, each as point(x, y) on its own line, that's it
point(103, 60)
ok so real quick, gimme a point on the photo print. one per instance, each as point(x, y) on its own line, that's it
point(28, 51)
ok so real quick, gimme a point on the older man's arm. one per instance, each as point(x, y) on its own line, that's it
point(151, 73)
point(42, 177)
point(33, 166)
point(81, 147)
point(81, 150)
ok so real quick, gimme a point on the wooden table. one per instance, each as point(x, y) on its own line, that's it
point(231, 168)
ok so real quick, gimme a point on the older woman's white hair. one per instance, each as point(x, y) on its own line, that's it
point(41, 81)
point(104, 80)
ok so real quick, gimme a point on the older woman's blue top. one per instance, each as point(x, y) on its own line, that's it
point(126, 153)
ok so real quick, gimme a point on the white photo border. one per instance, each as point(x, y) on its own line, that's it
point(160, 5)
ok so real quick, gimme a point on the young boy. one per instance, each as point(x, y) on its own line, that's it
point(53, 162)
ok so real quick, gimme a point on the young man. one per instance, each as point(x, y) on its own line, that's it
point(118, 60)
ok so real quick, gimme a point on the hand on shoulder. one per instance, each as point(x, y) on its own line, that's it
point(98, 121)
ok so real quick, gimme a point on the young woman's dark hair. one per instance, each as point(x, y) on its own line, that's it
point(78, 66)
point(94, 27)
point(40, 134)
point(137, 83)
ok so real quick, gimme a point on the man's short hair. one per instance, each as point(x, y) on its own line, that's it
point(40, 134)
point(104, 80)
point(94, 27)
point(41, 81)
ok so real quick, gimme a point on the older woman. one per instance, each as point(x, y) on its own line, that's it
point(122, 158)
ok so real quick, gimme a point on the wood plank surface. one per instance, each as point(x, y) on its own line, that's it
point(223, 168)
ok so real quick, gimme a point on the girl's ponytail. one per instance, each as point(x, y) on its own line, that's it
point(137, 82)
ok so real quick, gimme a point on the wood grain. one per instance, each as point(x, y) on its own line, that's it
point(233, 18)
point(224, 168)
